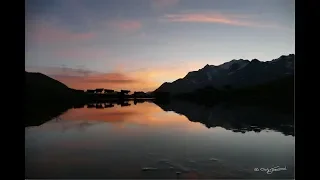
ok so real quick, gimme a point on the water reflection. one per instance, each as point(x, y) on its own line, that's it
point(235, 117)
point(155, 140)
point(109, 104)
point(238, 118)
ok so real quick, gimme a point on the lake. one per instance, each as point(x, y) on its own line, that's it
point(162, 140)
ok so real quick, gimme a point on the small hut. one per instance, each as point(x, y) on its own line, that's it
point(107, 91)
point(125, 91)
point(90, 91)
point(99, 90)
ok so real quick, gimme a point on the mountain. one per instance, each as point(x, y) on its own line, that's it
point(235, 74)
point(40, 88)
point(278, 93)
point(46, 98)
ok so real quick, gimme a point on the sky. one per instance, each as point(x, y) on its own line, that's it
point(140, 44)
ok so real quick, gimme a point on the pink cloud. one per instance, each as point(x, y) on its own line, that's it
point(86, 79)
point(50, 34)
point(162, 4)
point(210, 17)
point(126, 25)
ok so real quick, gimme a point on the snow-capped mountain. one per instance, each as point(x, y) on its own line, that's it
point(236, 73)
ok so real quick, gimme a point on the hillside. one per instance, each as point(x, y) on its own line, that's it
point(40, 87)
point(278, 94)
point(46, 98)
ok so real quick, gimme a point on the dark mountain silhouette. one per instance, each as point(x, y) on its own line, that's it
point(277, 94)
point(236, 74)
point(46, 98)
point(40, 87)
point(235, 117)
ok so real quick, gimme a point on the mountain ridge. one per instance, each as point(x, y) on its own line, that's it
point(235, 73)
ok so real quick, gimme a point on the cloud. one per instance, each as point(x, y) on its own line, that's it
point(143, 79)
point(61, 71)
point(163, 4)
point(86, 79)
point(80, 52)
point(219, 18)
point(48, 33)
point(107, 78)
point(125, 25)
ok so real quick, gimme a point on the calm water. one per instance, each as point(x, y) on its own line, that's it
point(146, 140)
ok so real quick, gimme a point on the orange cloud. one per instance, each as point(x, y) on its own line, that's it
point(126, 25)
point(211, 17)
point(116, 81)
point(146, 79)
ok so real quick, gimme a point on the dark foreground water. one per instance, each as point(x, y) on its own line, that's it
point(177, 140)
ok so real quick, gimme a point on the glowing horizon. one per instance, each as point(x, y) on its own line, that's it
point(140, 44)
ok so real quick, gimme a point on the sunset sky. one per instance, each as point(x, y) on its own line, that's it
point(139, 44)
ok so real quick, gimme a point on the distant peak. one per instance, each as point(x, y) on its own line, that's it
point(289, 57)
point(239, 62)
point(207, 67)
point(255, 60)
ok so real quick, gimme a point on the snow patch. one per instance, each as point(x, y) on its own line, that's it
point(214, 70)
point(242, 66)
point(209, 76)
point(227, 65)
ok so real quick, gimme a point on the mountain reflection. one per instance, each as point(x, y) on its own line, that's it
point(237, 118)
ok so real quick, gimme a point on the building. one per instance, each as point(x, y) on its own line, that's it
point(99, 90)
point(108, 91)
